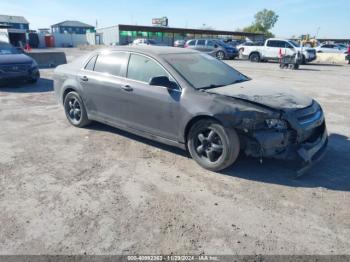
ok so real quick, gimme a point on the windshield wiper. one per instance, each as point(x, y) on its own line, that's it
point(239, 81)
point(210, 86)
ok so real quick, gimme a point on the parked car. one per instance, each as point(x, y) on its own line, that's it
point(213, 47)
point(331, 48)
point(15, 65)
point(144, 41)
point(179, 43)
point(272, 48)
point(191, 100)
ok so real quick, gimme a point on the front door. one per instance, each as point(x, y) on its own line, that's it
point(153, 109)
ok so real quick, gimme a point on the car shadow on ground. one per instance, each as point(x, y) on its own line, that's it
point(324, 64)
point(309, 69)
point(332, 172)
point(43, 85)
point(105, 128)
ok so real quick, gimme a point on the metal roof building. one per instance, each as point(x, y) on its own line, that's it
point(124, 34)
point(14, 29)
point(72, 27)
point(14, 22)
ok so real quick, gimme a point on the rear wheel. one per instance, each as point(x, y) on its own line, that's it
point(220, 55)
point(75, 110)
point(212, 146)
point(255, 57)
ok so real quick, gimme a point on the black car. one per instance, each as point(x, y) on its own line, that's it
point(16, 66)
point(191, 100)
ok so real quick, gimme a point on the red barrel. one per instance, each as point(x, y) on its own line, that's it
point(49, 41)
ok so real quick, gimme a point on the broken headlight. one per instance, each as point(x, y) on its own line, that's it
point(276, 124)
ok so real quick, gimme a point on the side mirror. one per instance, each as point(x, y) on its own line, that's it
point(216, 46)
point(162, 81)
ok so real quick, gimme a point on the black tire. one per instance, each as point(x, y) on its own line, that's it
point(303, 60)
point(212, 146)
point(33, 80)
point(75, 110)
point(254, 57)
point(220, 55)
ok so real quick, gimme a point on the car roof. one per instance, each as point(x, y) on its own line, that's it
point(152, 50)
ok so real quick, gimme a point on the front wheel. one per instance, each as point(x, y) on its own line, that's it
point(212, 146)
point(220, 55)
point(75, 110)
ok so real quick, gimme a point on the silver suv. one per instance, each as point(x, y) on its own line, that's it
point(213, 47)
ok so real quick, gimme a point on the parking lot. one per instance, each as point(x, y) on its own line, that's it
point(99, 190)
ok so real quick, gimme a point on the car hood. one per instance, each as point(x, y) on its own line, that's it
point(266, 94)
point(15, 59)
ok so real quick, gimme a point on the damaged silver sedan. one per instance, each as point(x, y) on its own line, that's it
point(193, 101)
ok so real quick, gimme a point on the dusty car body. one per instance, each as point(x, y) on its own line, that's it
point(250, 116)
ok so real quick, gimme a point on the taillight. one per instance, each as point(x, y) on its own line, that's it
point(186, 45)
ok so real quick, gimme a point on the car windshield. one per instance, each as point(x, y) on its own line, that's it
point(203, 71)
point(294, 43)
point(7, 49)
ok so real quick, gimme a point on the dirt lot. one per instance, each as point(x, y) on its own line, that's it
point(98, 190)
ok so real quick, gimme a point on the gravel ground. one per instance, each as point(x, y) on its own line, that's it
point(99, 190)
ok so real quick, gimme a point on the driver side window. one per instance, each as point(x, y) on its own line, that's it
point(142, 68)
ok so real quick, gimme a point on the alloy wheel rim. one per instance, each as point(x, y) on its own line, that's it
point(220, 55)
point(74, 110)
point(208, 145)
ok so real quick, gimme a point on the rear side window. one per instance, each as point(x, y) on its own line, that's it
point(200, 42)
point(271, 43)
point(91, 64)
point(142, 68)
point(210, 43)
point(276, 43)
point(192, 42)
point(112, 63)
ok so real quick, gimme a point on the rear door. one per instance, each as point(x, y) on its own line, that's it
point(103, 86)
point(200, 45)
point(210, 47)
point(152, 109)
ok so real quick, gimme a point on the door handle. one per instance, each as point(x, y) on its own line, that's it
point(84, 78)
point(127, 88)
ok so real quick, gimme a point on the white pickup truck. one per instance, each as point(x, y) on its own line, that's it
point(272, 48)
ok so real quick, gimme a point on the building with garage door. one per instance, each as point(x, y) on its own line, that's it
point(16, 27)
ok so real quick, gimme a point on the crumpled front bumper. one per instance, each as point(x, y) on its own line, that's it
point(310, 153)
point(278, 145)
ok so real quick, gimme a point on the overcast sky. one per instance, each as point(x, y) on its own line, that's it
point(328, 17)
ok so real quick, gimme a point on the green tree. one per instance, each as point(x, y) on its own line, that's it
point(264, 21)
point(266, 18)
